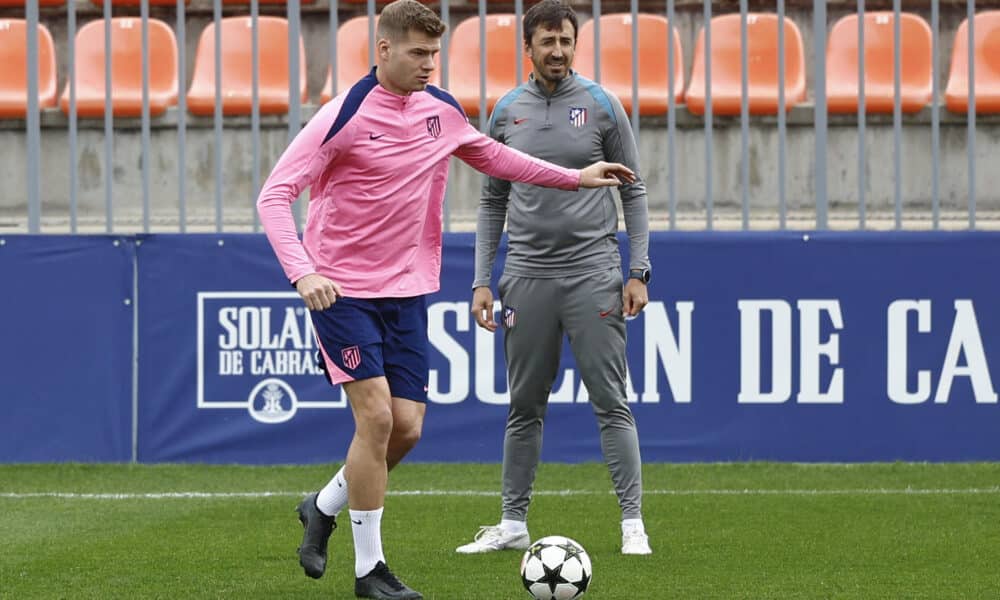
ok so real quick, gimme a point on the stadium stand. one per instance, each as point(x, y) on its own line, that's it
point(501, 61)
point(247, 2)
point(237, 79)
point(915, 64)
point(137, 2)
point(20, 3)
point(14, 75)
point(762, 62)
point(616, 60)
point(694, 192)
point(987, 66)
point(126, 68)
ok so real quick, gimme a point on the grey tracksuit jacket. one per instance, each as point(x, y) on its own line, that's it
point(553, 233)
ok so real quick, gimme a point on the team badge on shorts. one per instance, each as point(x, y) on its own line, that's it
point(509, 317)
point(577, 116)
point(351, 357)
point(434, 126)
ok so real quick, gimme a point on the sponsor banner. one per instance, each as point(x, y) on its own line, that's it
point(66, 314)
point(227, 369)
point(755, 346)
point(776, 346)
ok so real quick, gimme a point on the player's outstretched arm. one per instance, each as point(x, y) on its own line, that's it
point(503, 162)
point(603, 173)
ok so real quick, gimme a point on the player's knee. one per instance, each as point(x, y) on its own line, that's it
point(406, 429)
point(406, 435)
point(376, 424)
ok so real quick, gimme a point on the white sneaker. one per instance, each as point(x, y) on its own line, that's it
point(635, 542)
point(492, 538)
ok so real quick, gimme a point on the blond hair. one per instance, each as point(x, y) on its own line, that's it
point(401, 16)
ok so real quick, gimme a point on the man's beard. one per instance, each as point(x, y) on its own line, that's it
point(552, 78)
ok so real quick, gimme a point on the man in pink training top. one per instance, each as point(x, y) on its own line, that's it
point(376, 160)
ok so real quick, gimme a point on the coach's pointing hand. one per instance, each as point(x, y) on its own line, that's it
point(319, 292)
point(605, 174)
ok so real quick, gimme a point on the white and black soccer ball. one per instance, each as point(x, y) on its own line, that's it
point(556, 568)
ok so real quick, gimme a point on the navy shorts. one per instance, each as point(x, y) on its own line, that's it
point(361, 338)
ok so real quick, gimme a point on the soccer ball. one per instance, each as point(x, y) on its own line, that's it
point(556, 568)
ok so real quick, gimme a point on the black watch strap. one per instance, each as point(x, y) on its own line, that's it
point(640, 274)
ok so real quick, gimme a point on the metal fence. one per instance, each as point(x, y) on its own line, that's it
point(664, 128)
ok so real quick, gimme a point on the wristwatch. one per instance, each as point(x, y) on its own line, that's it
point(640, 274)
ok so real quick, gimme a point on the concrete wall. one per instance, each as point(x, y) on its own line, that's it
point(689, 163)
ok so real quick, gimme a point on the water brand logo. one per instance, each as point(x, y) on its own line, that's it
point(257, 352)
point(272, 401)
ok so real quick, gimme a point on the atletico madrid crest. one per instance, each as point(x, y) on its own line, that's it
point(509, 317)
point(351, 357)
point(434, 126)
point(577, 116)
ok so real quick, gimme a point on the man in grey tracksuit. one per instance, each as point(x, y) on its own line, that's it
point(563, 272)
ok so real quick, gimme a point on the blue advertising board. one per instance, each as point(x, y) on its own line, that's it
point(66, 348)
point(776, 346)
point(756, 346)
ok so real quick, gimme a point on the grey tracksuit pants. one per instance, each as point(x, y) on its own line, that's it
point(588, 308)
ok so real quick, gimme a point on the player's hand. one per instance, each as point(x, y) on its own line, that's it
point(482, 308)
point(635, 297)
point(603, 173)
point(319, 292)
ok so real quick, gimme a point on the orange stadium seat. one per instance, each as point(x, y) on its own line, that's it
point(762, 61)
point(842, 63)
point(987, 65)
point(247, 2)
point(352, 57)
point(40, 2)
point(126, 68)
point(380, 2)
point(14, 76)
point(237, 60)
point(501, 61)
point(137, 2)
point(616, 60)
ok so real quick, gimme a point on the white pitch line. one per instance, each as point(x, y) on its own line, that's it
point(908, 491)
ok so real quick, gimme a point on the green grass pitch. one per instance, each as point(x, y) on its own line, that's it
point(745, 530)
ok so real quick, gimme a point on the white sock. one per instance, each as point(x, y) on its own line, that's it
point(511, 526)
point(367, 528)
point(333, 498)
point(633, 526)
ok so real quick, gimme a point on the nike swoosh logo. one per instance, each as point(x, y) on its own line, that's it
point(519, 121)
point(605, 313)
point(355, 522)
point(372, 136)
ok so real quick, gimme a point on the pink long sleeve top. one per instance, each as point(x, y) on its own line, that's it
point(377, 166)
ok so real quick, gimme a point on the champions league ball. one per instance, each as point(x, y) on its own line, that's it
point(556, 568)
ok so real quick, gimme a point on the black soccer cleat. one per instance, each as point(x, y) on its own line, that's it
point(317, 528)
point(381, 584)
